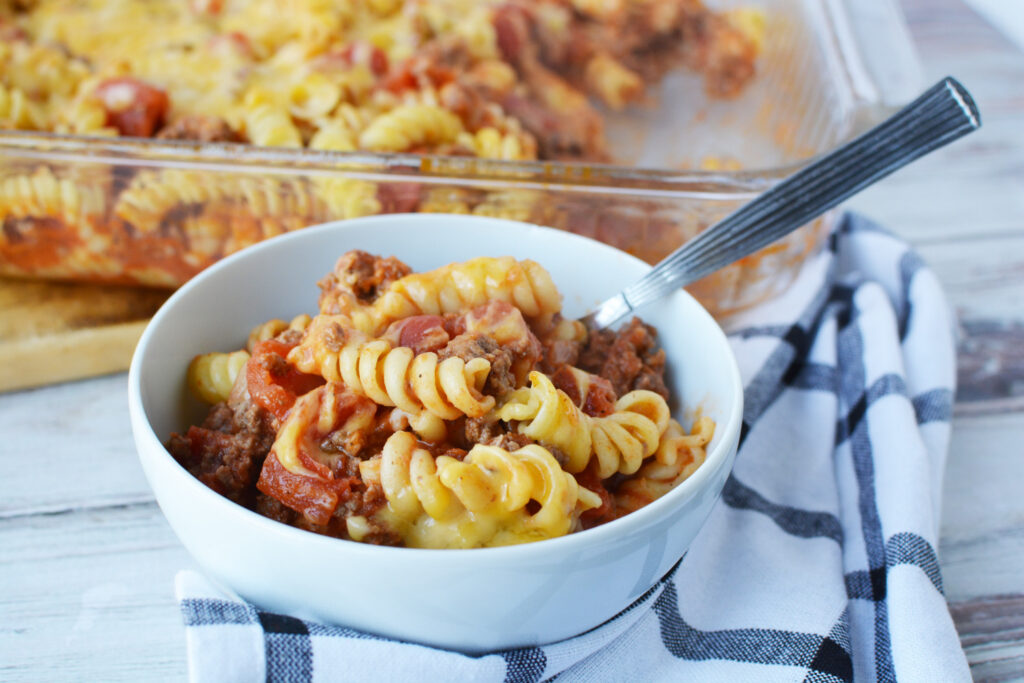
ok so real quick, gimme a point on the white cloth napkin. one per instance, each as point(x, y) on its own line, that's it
point(818, 563)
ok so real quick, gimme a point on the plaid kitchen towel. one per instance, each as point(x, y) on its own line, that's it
point(818, 564)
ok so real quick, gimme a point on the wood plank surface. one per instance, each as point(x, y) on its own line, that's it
point(88, 596)
point(87, 560)
point(80, 430)
point(53, 331)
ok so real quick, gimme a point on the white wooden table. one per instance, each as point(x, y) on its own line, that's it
point(87, 560)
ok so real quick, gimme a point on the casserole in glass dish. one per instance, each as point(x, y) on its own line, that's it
point(677, 151)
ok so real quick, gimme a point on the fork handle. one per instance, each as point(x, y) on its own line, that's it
point(944, 113)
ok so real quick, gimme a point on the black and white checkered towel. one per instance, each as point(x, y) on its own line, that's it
point(818, 564)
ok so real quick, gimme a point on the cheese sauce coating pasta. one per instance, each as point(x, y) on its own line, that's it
point(514, 80)
point(505, 79)
point(449, 409)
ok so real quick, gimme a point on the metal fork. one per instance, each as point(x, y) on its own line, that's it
point(944, 113)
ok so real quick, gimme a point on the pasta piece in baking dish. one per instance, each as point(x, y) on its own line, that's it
point(410, 126)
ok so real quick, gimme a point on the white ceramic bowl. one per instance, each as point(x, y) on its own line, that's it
point(469, 600)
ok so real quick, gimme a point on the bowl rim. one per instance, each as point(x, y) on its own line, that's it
point(148, 442)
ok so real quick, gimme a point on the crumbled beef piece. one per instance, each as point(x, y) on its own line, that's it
point(504, 323)
point(381, 536)
point(274, 509)
point(362, 275)
point(511, 441)
point(200, 128)
point(501, 379)
point(558, 352)
point(227, 452)
point(362, 501)
point(220, 418)
point(291, 337)
point(421, 333)
point(628, 358)
point(565, 381)
point(274, 363)
point(437, 450)
point(599, 399)
point(560, 457)
point(576, 135)
point(345, 450)
point(479, 430)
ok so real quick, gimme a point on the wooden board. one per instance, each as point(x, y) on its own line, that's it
point(51, 331)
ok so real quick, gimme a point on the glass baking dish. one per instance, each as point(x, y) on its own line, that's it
point(126, 210)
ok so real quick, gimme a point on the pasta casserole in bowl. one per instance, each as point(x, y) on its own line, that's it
point(434, 448)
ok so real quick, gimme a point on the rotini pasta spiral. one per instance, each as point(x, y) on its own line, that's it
point(272, 328)
point(14, 109)
point(211, 376)
point(42, 193)
point(619, 441)
point(623, 439)
point(409, 126)
point(268, 126)
point(549, 416)
point(395, 376)
point(312, 97)
point(325, 410)
point(269, 203)
point(679, 455)
point(491, 143)
point(478, 501)
point(455, 288)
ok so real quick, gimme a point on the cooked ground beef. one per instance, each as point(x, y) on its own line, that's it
point(559, 352)
point(477, 430)
point(628, 358)
point(599, 400)
point(226, 453)
point(511, 441)
point(271, 507)
point(337, 527)
point(361, 274)
point(274, 363)
point(291, 337)
point(199, 128)
point(500, 380)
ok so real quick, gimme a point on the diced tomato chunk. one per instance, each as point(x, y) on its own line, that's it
point(273, 382)
point(212, 7)
point(422, 333)
point(134, 107)
point(315, 498)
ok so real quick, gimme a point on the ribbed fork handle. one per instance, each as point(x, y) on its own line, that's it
point(945, 112)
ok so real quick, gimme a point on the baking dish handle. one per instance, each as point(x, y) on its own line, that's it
point(882, 64)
